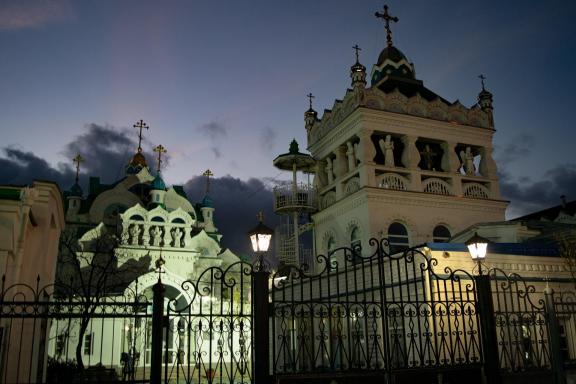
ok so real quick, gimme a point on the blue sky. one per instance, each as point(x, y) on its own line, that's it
point(222, 84)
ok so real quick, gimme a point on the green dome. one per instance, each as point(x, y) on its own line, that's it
point(207, 202)
point(76, 190)
point(158, 183)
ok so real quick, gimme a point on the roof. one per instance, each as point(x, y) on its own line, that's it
point(550, 213)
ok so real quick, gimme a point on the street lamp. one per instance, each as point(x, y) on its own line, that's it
point(260, 237)
point(477, 246)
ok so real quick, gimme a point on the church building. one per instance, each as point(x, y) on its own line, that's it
point(394, 159)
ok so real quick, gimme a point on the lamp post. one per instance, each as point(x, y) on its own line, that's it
point(478, 246)
point(260, 237)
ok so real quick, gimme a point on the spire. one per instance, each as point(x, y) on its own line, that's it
point(358, 71)
point(76, 190)
point(140, 125)
point(310, 116)
point(387, 19)
point(160, 149)
point(78, 159)
point(208, 173)
point(485, 101)
point(158, 183)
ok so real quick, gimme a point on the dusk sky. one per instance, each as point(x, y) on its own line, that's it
point(223, 84)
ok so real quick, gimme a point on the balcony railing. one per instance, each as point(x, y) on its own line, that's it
point(301, 199)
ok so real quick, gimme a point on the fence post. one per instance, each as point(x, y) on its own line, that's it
point(554, 337)
point(485, 310)
point(261, 332)
point(157, 330)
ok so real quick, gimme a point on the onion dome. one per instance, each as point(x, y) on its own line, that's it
point(207, 202)
point(136, 164)
point(392, 63)
point(158, 183)
point(76, 190)
point(358, 71)
point(310, 116)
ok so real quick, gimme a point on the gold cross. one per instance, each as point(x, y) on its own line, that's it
point(208, 173)
point(140, 125)
point(387, 18)
point(78, 159)
point(260, 216)
point(310, 96)
point(160, 149)
point(357, 48)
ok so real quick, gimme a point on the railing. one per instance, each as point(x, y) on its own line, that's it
point(303, 198)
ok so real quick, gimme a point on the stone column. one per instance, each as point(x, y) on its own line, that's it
point(341, 166)
point(410, 155)
point(487, 164)
point(320, 176)
point(329, 170)
point(450, 161)
point(350, 156)
point(146, 234)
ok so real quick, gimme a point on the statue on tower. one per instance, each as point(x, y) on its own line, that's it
point(467, 158)
point(387, 147)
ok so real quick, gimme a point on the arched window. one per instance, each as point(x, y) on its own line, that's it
point(398, 238)
point(441, 234)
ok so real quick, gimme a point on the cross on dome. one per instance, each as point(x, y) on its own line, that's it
point(140, 125)
point(310, 96)
point(482, 78)
point(387, 19)
point(357, 49)
point(208, 173)
point(160, 149)
point(78, 159)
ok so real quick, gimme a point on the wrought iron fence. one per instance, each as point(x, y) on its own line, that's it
point(521, 322)
point(380, 312)
point(52, 334)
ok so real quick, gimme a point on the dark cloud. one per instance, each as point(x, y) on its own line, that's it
point(520, 147)
point(528, 196)
point(268, 139)
point(237, 202)
point(20, 168)
point(213, 130)
point(106, 151)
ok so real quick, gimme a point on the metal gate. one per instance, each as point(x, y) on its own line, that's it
point(375, 315)
point(211, 336)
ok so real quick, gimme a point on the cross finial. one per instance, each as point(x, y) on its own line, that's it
point(310, 96)
point(260, 216)
point(78, 159)
point(357, 49)
point(387, 19)
point(160, 149)
point(482, 78)
point(208, 173)
point(140, 125)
